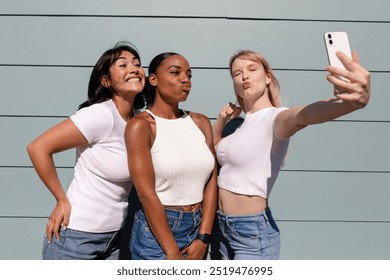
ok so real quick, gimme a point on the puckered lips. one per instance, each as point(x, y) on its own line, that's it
point(186, 89)
point(246, 85)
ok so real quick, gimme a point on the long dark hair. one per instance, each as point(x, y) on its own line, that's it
point(97, 93)
point(149, 91)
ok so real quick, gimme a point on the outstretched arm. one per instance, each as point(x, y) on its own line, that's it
point(350, 95)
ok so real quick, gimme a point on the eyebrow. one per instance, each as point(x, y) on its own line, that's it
point(176, 66)
point(249, 65)
point(123, 57)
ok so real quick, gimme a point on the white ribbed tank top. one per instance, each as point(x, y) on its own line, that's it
point(182, 160)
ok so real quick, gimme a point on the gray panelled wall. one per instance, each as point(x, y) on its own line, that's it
point(331, 199)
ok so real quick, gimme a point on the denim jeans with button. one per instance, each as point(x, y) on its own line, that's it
point(79, 245)
point(249, 237)
point(144, 246)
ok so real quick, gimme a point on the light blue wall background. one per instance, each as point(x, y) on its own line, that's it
point(332, 198)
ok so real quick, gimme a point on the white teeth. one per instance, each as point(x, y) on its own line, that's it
point(134, 80)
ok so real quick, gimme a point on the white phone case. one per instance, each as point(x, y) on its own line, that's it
point(336, 41)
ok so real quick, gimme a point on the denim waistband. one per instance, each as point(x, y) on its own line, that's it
point(266, 213)
point(181, 214)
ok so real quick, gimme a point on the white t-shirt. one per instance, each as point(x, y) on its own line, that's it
point(251, 157)
point(99, 190)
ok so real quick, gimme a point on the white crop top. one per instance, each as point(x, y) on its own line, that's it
point(182, 160)
point(251, 157)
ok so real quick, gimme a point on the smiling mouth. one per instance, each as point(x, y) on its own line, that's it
point(134, 80)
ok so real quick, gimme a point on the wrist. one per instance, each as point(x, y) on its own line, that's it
point(204, 237)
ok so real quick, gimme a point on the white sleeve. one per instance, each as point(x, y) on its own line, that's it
point(94, 122)
point(272, 118)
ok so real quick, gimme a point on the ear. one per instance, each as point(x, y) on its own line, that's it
point(268, 79)
point(105, 81)
point(153, 80)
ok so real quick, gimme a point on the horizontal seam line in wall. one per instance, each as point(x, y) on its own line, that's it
point(211, 118)
point(349, 121)
point(145, 67)
point(31, 167)
point(283, 170)
point(32, 116)
point(23, 217)
point(309, 20)
point(195, 17)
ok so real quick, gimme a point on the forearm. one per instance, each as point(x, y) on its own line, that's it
point(323, 111)
point(209, 205)
point(218, 127)
point(45, 168)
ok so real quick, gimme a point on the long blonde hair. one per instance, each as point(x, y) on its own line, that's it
point(273, 87)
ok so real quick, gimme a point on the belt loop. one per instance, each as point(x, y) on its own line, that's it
point(264, 213)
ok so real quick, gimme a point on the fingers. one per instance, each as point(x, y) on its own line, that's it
point(355, 57)
point(354, 79)
point(49, 233)
point(231, 110)
point(355, 91)
point(184, 251)
point(53, 227)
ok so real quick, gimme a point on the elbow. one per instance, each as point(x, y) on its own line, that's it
point(30, 148)
point(33, 150)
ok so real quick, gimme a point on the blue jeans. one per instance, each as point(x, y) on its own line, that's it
point(79, 245)
point(249, 237)
point(144, 246)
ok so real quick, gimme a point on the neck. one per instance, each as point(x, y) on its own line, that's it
point(164, 110)
point(125, 107)
point(256, 105)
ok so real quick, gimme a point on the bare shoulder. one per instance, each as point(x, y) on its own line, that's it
point(200, 119)
point(139, 123)
point(204, 124)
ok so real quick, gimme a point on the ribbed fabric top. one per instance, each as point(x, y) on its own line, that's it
point(182, 160)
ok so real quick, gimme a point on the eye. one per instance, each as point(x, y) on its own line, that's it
point(137, 63)
point(235, 74)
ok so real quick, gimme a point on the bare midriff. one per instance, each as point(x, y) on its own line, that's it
point(230, 203)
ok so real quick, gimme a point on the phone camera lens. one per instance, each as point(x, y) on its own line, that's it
point(330, 42)
point(329, 36)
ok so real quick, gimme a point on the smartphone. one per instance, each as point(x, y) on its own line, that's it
point(337, 41)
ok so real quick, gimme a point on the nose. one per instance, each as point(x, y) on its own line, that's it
point(245, 75)
point(185, 78)
point(133, 69)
